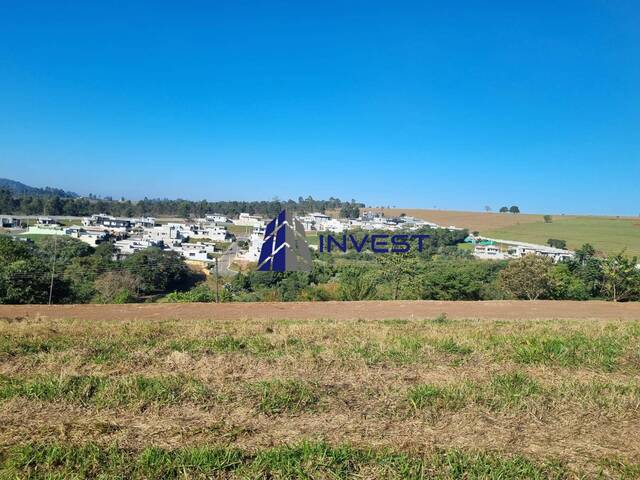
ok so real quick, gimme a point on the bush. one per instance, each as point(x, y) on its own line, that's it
point(199, 294)
point(529, 277)
point(117, 287)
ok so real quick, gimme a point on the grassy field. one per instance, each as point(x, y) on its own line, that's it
point(433, 398)
point(608, 235)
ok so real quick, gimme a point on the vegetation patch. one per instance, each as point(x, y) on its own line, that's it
point(299, 461)
point(511, 390)
point(106, 392)
point(397, 350)
point(284, 396)
point(572, 350)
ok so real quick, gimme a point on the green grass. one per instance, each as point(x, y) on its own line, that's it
point(298, 461)
point(257, 345)
point(608, 235)
point(32, 345)
point(569, 350)
point(106, 392)
point(504, 391)
point(399, 350)
point(278, 396)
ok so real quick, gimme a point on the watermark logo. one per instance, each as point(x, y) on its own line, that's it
point(284, 248)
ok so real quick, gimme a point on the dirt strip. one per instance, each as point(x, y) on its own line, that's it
point(373, 310)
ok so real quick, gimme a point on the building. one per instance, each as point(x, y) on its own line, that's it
point(169, 234)
point(248, 220)
point(555, 254)
point(124, 248)
point(215, 233)
point(45, 229)
point(143, 222)
point(195, 251)
point(107, 221)
point(216, 218)
point(319, 219)
point(91, 237)
point(9, 222)
point(488, 251)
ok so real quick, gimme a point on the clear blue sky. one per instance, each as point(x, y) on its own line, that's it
point(416, 104)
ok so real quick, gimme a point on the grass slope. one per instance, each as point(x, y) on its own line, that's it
point(421, 398)
point(608, 235)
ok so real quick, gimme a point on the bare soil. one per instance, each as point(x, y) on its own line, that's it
point(370, 310)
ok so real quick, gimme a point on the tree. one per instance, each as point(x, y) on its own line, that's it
point(487, 208)
point(504, 209)
point(514, 209)
point(397, 269)
point(529, 277)
point(158, 271)
point(350, 210)
point(356, 283)
point(548, 219)
point(556, 243)
point(117, 287)
point(621, 278)
point(585, 253)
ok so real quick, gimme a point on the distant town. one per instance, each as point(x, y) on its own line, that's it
point(239, 239)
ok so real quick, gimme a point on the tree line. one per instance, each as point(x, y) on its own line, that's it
point(73, 272)
point(56, 205)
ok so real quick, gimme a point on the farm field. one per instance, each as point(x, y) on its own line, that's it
point(609, 235)
point(164, 395)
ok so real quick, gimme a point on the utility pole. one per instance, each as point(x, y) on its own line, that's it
point(217, 289)
point(53, 267)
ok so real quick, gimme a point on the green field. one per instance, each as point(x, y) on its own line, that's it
point(608, 235)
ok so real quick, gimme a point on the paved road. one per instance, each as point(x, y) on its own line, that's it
point(224, 261)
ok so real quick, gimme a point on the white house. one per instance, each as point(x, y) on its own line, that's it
point(217, 218)
point(248, 220)
point(216, 233)
point(334, 225)
point(129, 247)
point(555, 254)
point(169, 234)
point(320, 219)
point(488, 252)
point(195, 251)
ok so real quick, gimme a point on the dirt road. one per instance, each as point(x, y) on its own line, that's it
point(336, 310)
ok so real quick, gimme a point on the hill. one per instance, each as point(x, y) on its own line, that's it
point(19, 188)
point(607, 234)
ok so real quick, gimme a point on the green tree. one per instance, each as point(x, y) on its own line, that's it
point(621, 278)
point(159, 271)
point(556, 243)
point(529, 277)
point(356, 283)
point(504, 209)
point(397, 270)
point(514, 209)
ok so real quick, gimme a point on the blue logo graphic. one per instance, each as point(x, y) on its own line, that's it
point(285, 248)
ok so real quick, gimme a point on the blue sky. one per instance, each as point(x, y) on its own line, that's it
point(456, 105)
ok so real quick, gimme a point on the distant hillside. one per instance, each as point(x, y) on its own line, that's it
point(608, 234)
point(19, 188)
